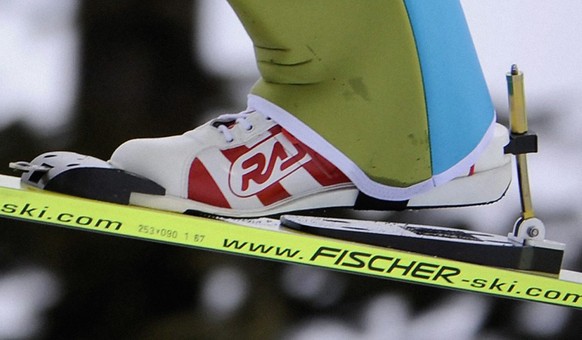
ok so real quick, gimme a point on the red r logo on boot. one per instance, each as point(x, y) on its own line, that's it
point(265, 164)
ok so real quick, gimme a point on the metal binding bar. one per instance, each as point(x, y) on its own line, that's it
point(528, 230)
point(519, 127)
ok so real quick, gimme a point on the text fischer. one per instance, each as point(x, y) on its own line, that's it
point(386, 264)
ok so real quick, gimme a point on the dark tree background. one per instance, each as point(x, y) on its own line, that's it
point(139, 78)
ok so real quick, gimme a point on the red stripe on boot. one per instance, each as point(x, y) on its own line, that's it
point(322, 170)
point(274, 193)
point(203, 188)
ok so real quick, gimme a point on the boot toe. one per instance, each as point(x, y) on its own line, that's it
point(162, 160)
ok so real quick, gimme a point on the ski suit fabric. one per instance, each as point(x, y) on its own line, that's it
point(459, 107)
point(390, 91)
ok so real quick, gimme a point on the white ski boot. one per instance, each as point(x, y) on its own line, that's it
point(246, 165)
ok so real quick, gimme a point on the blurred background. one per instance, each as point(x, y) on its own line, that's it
point(86, 76)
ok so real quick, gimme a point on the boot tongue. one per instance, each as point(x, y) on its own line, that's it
point(228, 124)
point(229, 119)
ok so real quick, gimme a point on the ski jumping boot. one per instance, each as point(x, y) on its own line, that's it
point(245, 165)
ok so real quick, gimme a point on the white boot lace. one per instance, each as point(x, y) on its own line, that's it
point(222, 122)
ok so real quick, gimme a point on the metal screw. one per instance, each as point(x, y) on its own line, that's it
point(533, 232)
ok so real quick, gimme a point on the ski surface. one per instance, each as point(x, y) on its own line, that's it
point(265, 238)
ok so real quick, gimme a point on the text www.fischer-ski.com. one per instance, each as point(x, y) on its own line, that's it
point(29, 211)
point(398, 268)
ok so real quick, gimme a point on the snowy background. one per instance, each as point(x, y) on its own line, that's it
point(40, 75)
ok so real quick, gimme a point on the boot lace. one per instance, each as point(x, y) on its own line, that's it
point(225, 121)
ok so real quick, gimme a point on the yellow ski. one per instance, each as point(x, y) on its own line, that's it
point(266, 238)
